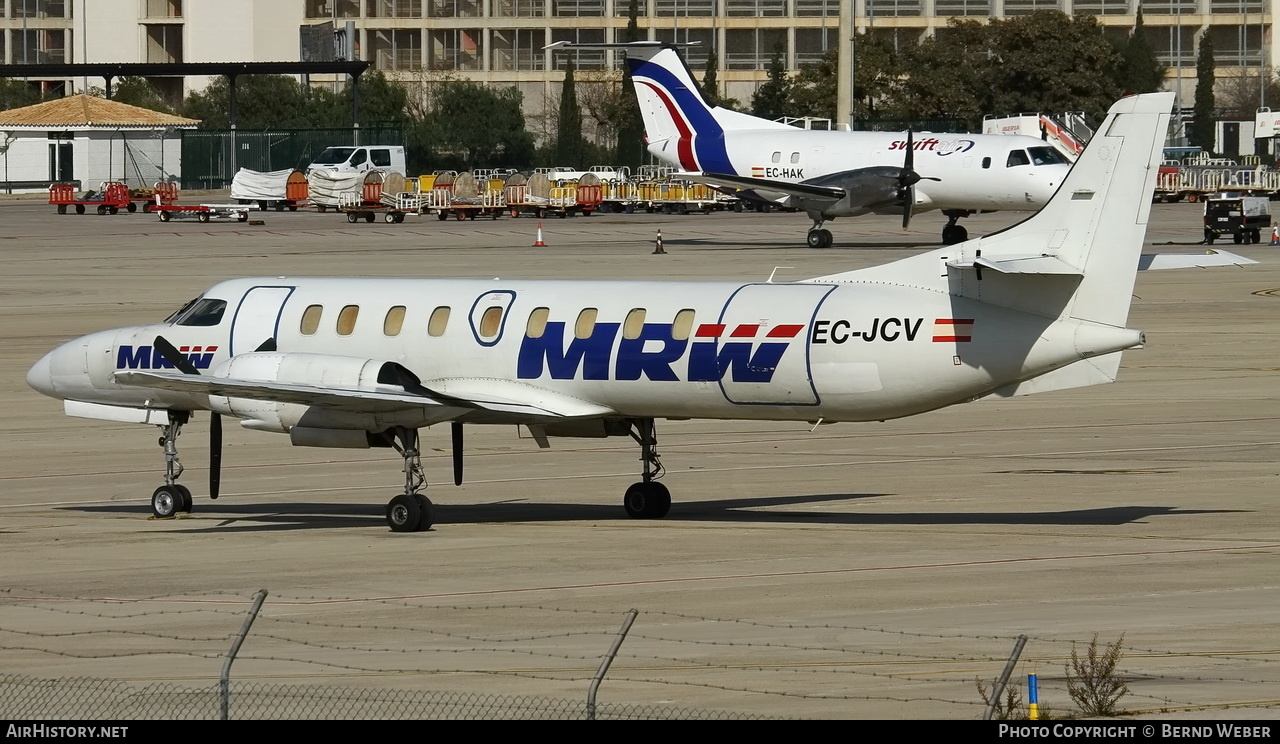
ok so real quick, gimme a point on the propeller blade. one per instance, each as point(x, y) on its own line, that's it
point(456, 429)
point(907, 204)
point(175, 357)
point(909, 162)
point(215, 454)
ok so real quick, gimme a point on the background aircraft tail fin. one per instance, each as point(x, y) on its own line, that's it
point(681, 127)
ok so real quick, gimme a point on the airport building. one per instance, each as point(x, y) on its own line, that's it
point(502, 41)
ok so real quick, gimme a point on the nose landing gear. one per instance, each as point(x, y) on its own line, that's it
point(171, 498)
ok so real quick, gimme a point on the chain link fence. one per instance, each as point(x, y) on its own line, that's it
point(211, 157)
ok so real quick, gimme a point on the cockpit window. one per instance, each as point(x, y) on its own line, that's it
point(1017, 157)
point(1047, 156)
point(203, 312)
point(178, 313)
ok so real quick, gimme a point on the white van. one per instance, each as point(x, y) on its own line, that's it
point(360, 158)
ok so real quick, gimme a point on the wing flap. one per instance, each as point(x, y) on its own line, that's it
point(1038, 264)
point(505, 399)
point(1208, 259)
point(806, 191)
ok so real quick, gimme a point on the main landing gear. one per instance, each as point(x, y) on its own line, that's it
point(172, 497)
point(818, 237)
point(410, 511)
point(953, 233)
point(647, 499)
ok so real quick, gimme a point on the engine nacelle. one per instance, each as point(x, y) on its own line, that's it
point(321, 371)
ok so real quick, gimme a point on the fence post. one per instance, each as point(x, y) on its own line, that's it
point(1004, 677)
point(606, 661)
point(224, 682)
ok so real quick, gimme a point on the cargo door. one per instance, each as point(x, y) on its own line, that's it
point(759, 347)
point(257, 318)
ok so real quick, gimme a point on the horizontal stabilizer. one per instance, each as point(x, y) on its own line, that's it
point(1042, 264)
point(1208, 259)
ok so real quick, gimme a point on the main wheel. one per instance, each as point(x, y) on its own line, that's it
point(203, 216)
point(815, 239)
point(649, 500)
point(167, 501)
point(352, 217)
point(187, 501)
point(428, 512)
point(165, 216)
point(404, 513)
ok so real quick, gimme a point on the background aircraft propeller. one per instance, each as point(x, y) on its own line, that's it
point(907, 180)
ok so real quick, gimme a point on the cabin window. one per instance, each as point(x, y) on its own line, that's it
point(438, 322)
point(537, 322)
point(682, 326)
point(986, 162)
point(586, 324)
point(206, 312)
point(311, 320)
point(1016, 158)
point(634, 324)
point(795, 157)
point(777, 157)
point(347, 319)
point(394, 321)
point(491, 322)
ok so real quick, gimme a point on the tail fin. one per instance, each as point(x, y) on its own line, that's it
point(1078, 256)
point(680, 126)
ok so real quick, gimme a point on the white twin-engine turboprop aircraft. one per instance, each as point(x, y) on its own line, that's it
point(829, 174)
point(352, 362)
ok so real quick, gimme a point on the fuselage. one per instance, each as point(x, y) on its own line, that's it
point(973, 172)
point(728, 350)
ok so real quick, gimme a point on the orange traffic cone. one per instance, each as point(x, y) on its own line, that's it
point(538, 243)
point(657, 245)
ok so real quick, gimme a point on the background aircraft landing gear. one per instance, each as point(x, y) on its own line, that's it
point(410, 511)
point(819, 238)
point(648, 499)
point(953, 233)
point(171, 498)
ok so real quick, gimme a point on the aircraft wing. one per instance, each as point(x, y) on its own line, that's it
point(807, 191)
point(1208, 259)
point(500, 399)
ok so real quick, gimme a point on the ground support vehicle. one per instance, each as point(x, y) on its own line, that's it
point(445, 204)
point(393, 208)
point(1244, 218)
point(110, 199)
point(202, 212)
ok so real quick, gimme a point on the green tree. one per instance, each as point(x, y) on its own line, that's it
point(447, 135)
point(1140, 71)
point(570, 148)
point(17, 93)
point(265, 101)
point(629, 124)
point(710, 85)
point(137, 91)
point(813, 89)
point(943, 76)
point(1201, 130)
point(381, 99)
point(770, 99)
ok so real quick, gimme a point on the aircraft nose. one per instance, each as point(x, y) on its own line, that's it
point(40, 376)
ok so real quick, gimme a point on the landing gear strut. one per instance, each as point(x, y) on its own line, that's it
point(647, 499)
point(171, 498)
point(410, 511)
point(953, 233)
point(818, 237)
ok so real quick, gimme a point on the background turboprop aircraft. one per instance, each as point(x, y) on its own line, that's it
point(359, 362)
point(829, 174)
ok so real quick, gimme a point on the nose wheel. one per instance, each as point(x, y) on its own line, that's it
point(172, 497)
